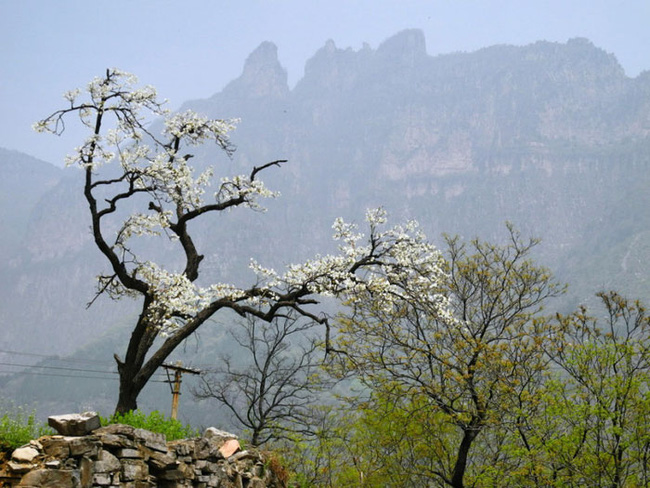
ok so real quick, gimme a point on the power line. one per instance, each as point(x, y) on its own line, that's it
point(55, 357)
point(57, 367)
point(62, 368)
point(39, 373)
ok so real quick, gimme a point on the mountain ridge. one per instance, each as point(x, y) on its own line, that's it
point(553, 137)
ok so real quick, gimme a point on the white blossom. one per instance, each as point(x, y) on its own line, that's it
point(242, 186)
point(387, 263)
point(142, 225)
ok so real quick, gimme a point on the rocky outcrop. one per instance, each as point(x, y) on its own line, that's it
point(263, 75)
point(123, 456)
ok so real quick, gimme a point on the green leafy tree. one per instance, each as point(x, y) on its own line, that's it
point(587, 425)
point(469, 361)
point(602, 397)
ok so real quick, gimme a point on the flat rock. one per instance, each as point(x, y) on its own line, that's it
point(50, 478)
point(230, 447)
point(117, 429)
point(211, 432)
point(75, 424)
point(24, 454)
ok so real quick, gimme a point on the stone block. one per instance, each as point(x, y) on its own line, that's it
point(161, 461)
point(107, 463)
point(202, 449)
point(76, 424)
point(56, 446)
point(212, 432)
point(182, 447)
point(24, 454)
point(115, 440)
point(256, 483)
point(117, 429)
point(152, 440)
point(127, 453)
point(84, 446)
point(86, 471)
point(19, 468)
point(51, 478)
point(241, 455)
point(134, 470)
point(102, 479)
point(230, 447)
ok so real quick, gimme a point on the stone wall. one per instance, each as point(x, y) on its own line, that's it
point(123, 456)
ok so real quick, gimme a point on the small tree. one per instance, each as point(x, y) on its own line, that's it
point(468, 361)
point(153, 174)
point(601, 400)
point(271, 391)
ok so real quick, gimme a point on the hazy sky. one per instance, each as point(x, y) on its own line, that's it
point(191, 48)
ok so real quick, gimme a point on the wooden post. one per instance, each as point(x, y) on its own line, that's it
point(176, 392)
point(175, 384)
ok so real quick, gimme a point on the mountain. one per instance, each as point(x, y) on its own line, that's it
point(24, 181)
point(553, 137)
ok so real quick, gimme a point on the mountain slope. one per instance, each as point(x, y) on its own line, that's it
point(551, 136)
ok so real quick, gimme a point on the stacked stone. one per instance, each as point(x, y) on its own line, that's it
point(86, 455)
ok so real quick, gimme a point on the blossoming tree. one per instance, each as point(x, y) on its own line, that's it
point(153, 174)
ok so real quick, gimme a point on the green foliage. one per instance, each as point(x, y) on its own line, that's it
point(18, 428)
point(154, 422)
point(462, 373)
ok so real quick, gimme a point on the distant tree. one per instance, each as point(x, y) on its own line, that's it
point(269, 383)
point(468, 366)
point(600, 401)
point(151, 172)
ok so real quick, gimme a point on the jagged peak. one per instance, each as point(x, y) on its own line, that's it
point(266, 54)
point(330, 47)
point(329, 62)
point(263, 75)
point(408, 45)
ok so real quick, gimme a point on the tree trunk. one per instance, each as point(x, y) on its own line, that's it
point(469, 435)
point(127, 400)
point(129, 389)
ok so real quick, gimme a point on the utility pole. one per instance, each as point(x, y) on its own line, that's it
point(175, 384)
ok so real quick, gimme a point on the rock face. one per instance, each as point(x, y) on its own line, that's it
point(553, 137)
point(263, 76)
point(123, 456)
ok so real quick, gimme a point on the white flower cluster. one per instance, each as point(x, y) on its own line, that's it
point(93, 153)
point(114, 94)
point(393, 264)
point(142, 225)
point(242, 186)
point(176, 298)
point(196, 129)
point(172, 180)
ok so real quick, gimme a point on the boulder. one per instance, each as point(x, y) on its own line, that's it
point(75, 424)
point(24, 454)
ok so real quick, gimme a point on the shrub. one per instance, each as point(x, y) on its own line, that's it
point(154, 422)
point(18, 428)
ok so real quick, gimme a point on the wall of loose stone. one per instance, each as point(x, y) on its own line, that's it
point(123, 456)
